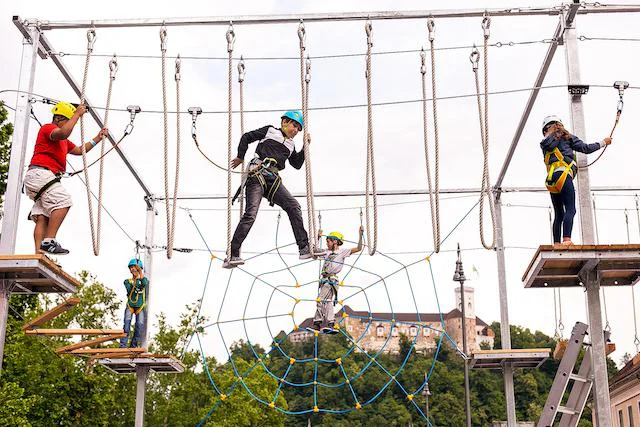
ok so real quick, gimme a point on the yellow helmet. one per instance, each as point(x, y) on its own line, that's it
point(64, 109)
point(337, 236)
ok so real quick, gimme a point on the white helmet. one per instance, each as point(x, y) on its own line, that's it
point(550, 119)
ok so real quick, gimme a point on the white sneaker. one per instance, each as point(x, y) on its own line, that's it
point(233, 262)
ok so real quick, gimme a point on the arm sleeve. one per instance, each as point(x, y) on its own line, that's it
point(297, 159)
point(248, 138)
point(70, 146)
point(47, 130)
point(127, 286)
point(346, 253)
point(577, 144)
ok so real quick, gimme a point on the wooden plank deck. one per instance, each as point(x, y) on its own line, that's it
point(36, 274)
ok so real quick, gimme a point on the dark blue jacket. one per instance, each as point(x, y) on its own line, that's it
point(567, 148)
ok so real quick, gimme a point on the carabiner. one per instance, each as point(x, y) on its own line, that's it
point(178, 62)
point(231, 37)
point(113, 67)
point(163, 38)
point(368, 28)
point(91, 39)
point(431, 25)
point(241, 70)
point(486, 23)
point(474, 58)
point(302, 35)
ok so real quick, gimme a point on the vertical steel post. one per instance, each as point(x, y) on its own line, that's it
point(505, 331)
point(16, 165)
point(592, 284)
point(142, 372)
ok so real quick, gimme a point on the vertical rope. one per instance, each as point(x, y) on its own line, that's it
point(636, 340)
point(434, 224)
point(371, 170)
point(431, 26)
point(638, 212)
point(175, 182)
point(165, 116)
point(305, 79)
point(231, 37)
point(626, 220)
point(595, 217)
point(241, 73)
point(550, 223)
point(91, 38)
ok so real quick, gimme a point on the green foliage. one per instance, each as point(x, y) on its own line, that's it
point(6, 130)
point(14, 407)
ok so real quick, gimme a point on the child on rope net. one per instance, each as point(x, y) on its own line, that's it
point(328, 284)
point(558, 147)
point(42, 179)
point(275, 146)
point(137, 287)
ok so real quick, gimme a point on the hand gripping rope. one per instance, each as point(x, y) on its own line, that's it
point(171, 215)
point(435, 208)
point(621, 86)
point(305, 79)
point(371, 167)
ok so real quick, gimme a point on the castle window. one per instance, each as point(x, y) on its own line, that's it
point(380, 331)
point(413, 331)
point(394, 332)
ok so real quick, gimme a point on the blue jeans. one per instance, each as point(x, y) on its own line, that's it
point(139, 325)
point(282, 198)
point(564, 207)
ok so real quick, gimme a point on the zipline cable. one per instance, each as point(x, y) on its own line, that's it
point(371, 169)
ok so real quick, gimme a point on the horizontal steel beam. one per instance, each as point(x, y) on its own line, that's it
point(324, 17)
point(406, 192)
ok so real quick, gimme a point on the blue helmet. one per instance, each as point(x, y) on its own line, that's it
point(295, 115)
point(135, 261)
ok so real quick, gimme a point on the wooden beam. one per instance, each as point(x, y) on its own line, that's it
point(110, 351)
point(52, 314)
point(90, 343)
point(73, 331)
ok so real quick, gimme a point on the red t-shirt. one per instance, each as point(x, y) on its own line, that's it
point(49, 153)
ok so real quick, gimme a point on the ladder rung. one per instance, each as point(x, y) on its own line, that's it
point(576, 377)
point(565, 410)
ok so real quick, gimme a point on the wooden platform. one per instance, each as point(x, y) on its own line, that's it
point(618, 265)
point(516, 357)
point(155, 362)
point(35, 274)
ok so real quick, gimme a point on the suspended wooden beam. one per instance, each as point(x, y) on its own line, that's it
point(111, 351)
point(52, 314)
point(73, 331)
point(89, 343)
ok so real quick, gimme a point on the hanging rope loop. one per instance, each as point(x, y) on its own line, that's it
point(91, 39)
point(113, 67)
point(231, 37)
point(302, 35)
point(431, 26)
point(241, 70)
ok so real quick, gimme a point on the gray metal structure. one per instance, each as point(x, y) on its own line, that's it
point(458, 276)
point(32, 31)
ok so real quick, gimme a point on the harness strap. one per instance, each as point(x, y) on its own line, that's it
point(557, 185)
point(144, 302)
point(45, 187)
point(263, 168)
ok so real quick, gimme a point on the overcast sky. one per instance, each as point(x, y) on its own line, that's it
point(338, 153)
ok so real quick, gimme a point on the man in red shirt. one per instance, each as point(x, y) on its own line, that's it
point(42, 180)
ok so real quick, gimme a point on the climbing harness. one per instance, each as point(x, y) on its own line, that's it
point(267, 174)
point(305, 79)
point(559, 164)
point(170, 214)
point(435, 207)
point(621, 86)
point(371, 170)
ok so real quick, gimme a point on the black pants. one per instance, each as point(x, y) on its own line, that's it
point(564, 206)
point(282, 198)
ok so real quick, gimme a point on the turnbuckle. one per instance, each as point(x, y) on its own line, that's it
point(113, 67)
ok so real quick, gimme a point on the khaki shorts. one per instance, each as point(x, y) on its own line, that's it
point(56, 197)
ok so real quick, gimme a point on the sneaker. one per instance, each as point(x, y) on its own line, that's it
point(53, 247)
point(233, 262)
point(329, 330)
point(315, 327)
point(305, 253)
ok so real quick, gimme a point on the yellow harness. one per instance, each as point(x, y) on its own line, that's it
point(557, 185)
point(144, 302)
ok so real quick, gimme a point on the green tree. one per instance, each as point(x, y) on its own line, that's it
point(14, 407)
point(6, 130)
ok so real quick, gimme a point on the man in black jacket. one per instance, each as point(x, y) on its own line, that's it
point(275, 146)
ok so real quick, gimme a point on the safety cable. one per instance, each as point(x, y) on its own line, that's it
point(305, 80)
point(95, 239)
point(371, 166)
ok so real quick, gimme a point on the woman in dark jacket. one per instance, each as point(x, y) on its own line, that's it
point(559, 147)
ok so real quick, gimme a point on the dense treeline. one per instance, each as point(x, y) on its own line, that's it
point(40, 388)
